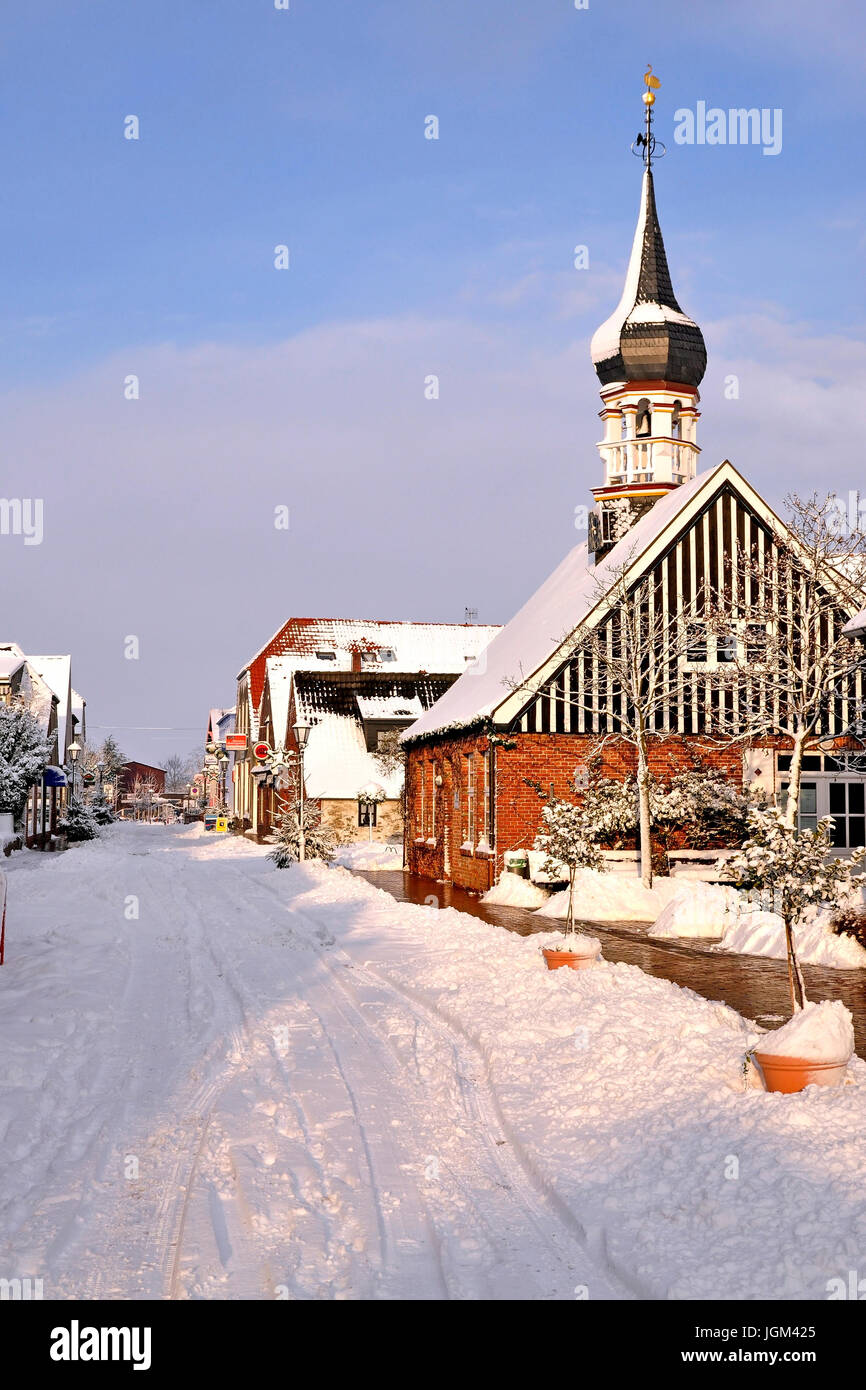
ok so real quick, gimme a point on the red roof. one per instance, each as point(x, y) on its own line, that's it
point(411, 641)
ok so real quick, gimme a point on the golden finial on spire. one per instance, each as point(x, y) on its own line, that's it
point(650, 83)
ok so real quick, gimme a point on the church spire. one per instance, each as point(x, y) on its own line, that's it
point(650, 359)
point(648, 337)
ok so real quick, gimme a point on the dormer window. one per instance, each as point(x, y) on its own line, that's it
point(380, 655)
point(326, 656)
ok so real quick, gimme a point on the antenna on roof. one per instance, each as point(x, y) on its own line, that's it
point(471, 615)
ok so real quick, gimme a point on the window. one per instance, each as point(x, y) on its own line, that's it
point(726, 646)
point(677, 421)
point(848, 809)
point(326, 656)
point(696, 643)
point(469, 836)
point(485, 829)
point(423, 826)
point(367, 813)
point(807, 818)
point(433, 805)
point(755, 637)
point(643, 419)
point(823, 792)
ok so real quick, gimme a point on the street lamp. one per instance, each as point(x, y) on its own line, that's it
point(302, 733)
point(73, 750)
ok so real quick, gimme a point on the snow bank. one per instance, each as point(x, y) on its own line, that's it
point(369, 856)
point(618, 897)
point(698, 910)
point(763, 934)
point(514, 891)
point(818, 1033)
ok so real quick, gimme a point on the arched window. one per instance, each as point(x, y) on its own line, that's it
point(677, 420)
point(644, 419)
point(623, 426)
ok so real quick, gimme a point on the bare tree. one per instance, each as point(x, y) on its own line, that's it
point(632, 652)
point(142, 795)
point(788, 670)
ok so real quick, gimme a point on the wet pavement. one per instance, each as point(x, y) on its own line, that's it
point(754, 986)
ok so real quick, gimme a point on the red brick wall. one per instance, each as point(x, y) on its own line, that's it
point(550, 759)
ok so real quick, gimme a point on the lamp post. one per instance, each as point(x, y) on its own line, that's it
point(73, 750)
point(302, 733)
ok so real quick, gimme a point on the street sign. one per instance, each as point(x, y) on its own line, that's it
point(262, 750)
point(88, 779)
point(238, 741)
point(222, 825)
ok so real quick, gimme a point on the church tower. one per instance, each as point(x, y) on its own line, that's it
point(650, 358)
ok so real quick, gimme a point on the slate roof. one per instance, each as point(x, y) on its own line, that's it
point(648, 337)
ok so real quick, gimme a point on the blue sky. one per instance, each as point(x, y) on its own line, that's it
point(408, 257)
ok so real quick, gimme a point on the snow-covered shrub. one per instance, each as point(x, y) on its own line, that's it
point(707, 805)
point(851, 921)
point(788, 871)
point(102, 811)
point(319, 840)
point(78, 821)
point(24, 752)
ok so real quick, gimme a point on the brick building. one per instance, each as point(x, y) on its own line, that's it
point(355, 682)
point(539, 710)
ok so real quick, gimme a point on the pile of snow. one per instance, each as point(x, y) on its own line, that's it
point(617, 897)
point(817, 1033)
point(763, 934)
point(369, 857)
point(514, 891)
point(698, 910)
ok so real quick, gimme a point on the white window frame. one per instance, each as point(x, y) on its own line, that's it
point(739, 628)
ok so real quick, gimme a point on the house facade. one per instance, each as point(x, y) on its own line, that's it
point(682, 544)
point(357, 684)
point(44, 684)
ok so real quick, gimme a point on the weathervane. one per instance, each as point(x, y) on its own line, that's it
point(646, 145)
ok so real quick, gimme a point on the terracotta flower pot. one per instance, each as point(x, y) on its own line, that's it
point(556, 959)
point(789, 1074)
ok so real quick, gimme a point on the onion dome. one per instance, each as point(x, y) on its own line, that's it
point(648, 337)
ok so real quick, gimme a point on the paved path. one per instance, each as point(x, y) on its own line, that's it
point(754, 986)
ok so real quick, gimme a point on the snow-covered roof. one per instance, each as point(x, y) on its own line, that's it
point(564, 600)
point(857, 625)
point(389, 706)
point(279, 675)
point(56, 671)
point(11, 659)
point(337, 764)
point(335, 644)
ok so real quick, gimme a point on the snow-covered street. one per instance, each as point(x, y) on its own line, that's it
point(274, 1085)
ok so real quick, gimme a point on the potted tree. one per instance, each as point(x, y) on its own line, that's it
point(790, 871)
point(565, 839)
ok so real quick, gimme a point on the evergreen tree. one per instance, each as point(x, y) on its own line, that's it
point(24, 752)
point(318, 839)
point(79, 821)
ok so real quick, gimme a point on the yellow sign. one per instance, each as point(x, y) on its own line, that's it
point(221, 824)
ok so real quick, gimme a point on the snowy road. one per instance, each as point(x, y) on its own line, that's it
point(224, 1081)
point(216, 1100)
